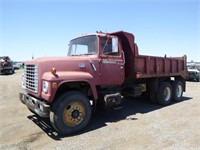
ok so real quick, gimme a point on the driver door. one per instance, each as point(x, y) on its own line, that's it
point(111, 66)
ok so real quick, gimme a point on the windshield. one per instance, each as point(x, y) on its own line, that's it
point(83, 46)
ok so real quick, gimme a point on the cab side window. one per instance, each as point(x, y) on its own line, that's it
point(109, 46)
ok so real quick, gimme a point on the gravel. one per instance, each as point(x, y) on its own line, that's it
point(139, 125)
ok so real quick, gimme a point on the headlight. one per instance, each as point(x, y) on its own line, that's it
point(45, 86)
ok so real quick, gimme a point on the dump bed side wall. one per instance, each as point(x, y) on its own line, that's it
point(141, 66)
point(150, 66)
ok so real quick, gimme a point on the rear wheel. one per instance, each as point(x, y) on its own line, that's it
point(164, 93)
point(153, 97)
point(177, 90)
point(70, 113)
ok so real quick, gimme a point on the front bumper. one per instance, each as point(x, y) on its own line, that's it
point(6, 69)
point(193, 77)
point(35, 105)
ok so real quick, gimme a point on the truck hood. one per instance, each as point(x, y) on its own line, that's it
point(65, 67)
point(193, 70)
point(74, 63)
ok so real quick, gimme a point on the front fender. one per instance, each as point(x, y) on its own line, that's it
point(63, 77)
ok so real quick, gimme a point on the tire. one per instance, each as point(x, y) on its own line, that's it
point(70, 113)
point(177, 91)
point(164, 95)
point(153, 97)
point(12, 72)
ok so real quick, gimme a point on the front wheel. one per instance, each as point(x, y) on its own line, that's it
point(70, 113)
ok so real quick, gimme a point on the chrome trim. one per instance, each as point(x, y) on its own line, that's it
point(39, 107)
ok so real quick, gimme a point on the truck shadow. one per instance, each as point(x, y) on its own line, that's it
point(7, 74)
point(45, 125)
point(101, 118)
point(192, 81)
point(131, 107)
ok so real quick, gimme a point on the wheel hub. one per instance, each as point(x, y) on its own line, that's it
point(167, 94)
point(74, 113)
point(179, 91)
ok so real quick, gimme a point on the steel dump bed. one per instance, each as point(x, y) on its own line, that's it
point(141, 66)
point(150, 66)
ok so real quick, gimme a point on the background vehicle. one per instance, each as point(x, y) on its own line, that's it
point(98, 72)
point(16, 66)
point(6, 65)
point(193, 74)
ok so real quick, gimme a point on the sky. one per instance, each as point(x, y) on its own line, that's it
point(42, 28)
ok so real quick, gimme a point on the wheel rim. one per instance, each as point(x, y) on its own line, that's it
point(74, 113)
point(179, 91)
point(167, 94)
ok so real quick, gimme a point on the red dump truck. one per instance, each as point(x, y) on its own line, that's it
point(6, 65)
point(99, 70)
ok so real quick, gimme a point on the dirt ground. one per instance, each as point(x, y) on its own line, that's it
point(139, 125)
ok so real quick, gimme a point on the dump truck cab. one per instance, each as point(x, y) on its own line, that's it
point(104, 55)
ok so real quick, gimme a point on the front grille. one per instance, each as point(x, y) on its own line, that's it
point(31, 78)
